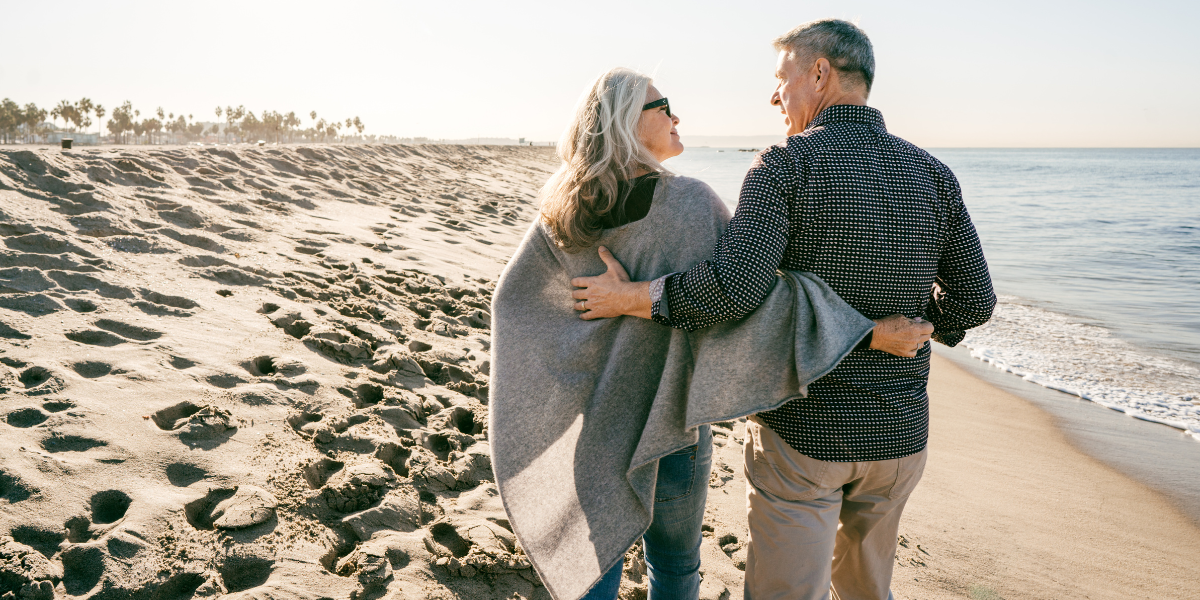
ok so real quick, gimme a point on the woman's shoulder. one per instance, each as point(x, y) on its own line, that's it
point(696, 195)
point(690, 186)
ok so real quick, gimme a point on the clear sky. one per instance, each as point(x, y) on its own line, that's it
point(1014, 73)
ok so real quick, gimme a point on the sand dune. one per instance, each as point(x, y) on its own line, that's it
point(258, 372)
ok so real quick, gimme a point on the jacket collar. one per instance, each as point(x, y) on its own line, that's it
point(842, 113)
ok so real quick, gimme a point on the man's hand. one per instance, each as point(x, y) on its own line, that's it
point(611, 294)
point(900, 335)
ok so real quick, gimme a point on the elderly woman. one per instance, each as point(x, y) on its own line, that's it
point(599, 427)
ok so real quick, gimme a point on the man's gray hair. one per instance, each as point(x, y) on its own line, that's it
point(842, 43)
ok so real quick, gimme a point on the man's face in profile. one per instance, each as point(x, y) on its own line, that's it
point(794, 94)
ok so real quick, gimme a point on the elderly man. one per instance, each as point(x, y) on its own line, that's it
point(883, 223)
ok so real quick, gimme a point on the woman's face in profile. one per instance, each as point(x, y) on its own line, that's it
point(656, 130)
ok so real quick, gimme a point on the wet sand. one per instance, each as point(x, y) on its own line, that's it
point(1010, 508)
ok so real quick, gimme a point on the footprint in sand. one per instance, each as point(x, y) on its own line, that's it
point(309, 250)
point(93, 337)
point(80, 305)
point(181, 586)
point(175, 416)
point(39, 381)
point(13, 489)
point(183, 474)
point(395, 456)
point(124, 332)
point(26, 417)
point(83, 566)
point(368, 394)
point(164, 305)
point(9, 333)
point(224, 380)
point(76, 282)
point(182, 363)
point(40, 538)
point(317, 472)
point(234, 508)
point(309, 425)
point(127, 330)
point(293, 324)
point(32, 304)
point(240, 573)
point(195, 421)
point(266, 366)
point(109, 506)
point(204, 260)
point(91, 369)
point(70, 443)
point(57, 405)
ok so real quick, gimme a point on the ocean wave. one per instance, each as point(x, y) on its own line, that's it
point(1058, 352)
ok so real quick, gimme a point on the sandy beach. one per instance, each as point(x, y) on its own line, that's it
point(262, 373)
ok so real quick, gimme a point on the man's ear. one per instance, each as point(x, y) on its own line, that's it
point(823, 71)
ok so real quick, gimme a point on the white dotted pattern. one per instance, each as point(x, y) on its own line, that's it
point(879, 220)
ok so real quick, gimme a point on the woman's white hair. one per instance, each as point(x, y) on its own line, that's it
point(598, 149)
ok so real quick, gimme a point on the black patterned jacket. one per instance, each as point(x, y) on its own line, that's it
point(884, 224)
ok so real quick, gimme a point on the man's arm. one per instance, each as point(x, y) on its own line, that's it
point(963, 296)
point(894, 334)
point(730, 285)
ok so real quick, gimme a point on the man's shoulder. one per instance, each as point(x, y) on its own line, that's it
point(810, 143)
point(783, 155)
point(900, 144)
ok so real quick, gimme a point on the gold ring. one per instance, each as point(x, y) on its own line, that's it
point(583, 304)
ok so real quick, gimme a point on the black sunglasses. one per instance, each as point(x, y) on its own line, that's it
point(657, 103)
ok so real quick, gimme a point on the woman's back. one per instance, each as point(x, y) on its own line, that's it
point(574, 394)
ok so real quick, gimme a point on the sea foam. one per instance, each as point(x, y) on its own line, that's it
point(1058, 352)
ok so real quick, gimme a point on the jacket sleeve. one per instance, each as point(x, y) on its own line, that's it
point(962, 297)
point(741, 272)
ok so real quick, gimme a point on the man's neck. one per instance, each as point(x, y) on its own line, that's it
point(851, 98)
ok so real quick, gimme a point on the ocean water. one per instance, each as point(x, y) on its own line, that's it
point(1095, 254)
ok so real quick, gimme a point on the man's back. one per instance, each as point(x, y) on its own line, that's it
point(879, 220)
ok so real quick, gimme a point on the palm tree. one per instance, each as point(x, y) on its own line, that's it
point(65, 110)
point(10, 115)
point(33, 117)
point(84, 108)
point(358, 124)
point(217, 127)
point(99, 116)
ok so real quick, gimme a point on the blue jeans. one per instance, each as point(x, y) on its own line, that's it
point(672, 542)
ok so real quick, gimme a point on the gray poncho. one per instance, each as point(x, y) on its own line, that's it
point(581, 411)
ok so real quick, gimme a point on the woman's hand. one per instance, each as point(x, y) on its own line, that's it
point(611, 294)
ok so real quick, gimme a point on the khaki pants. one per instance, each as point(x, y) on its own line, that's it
point(794, 503)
